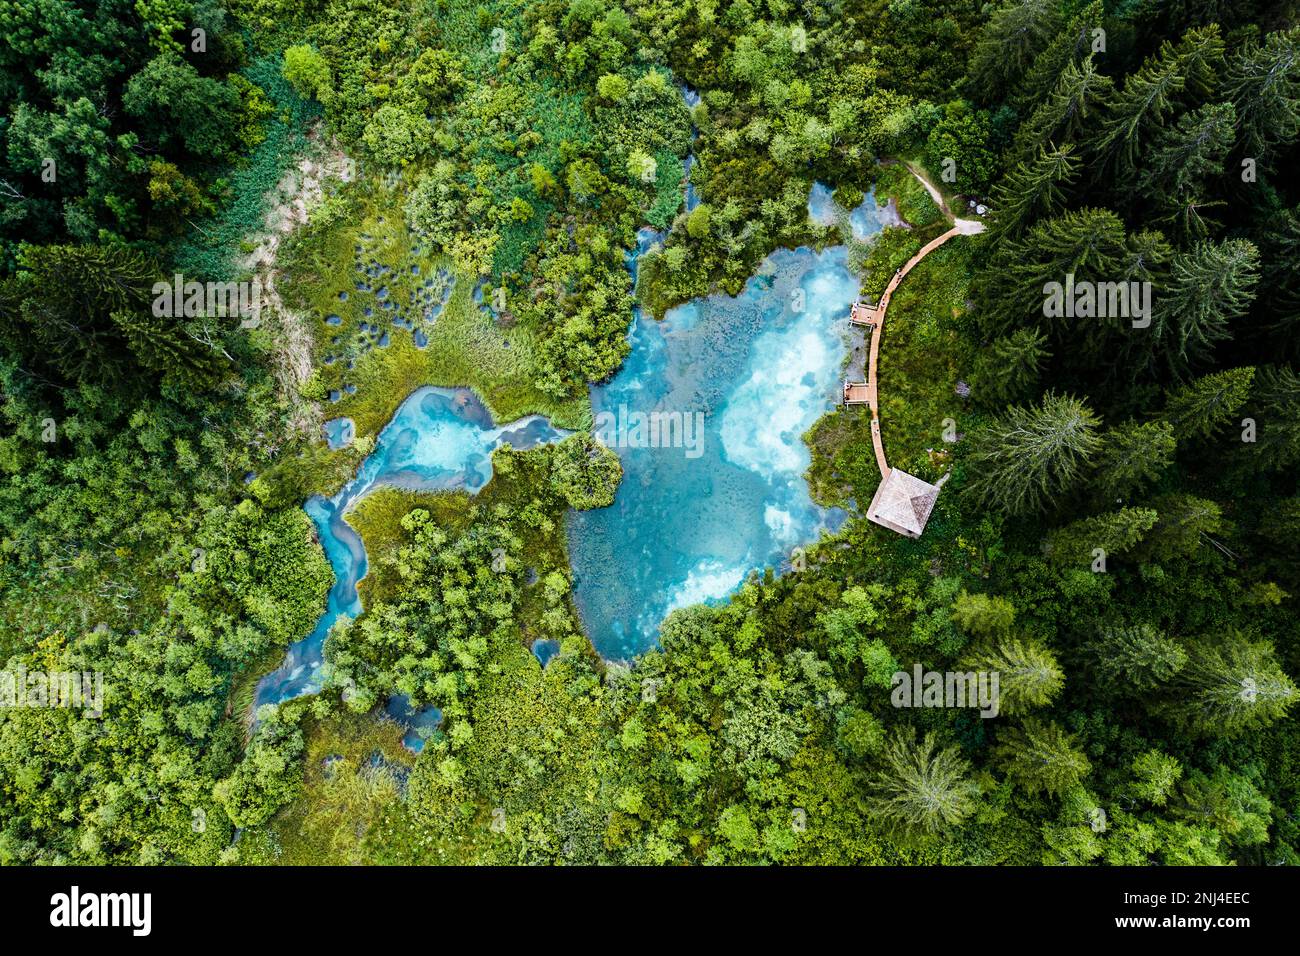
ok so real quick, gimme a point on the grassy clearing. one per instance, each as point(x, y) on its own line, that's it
point(925, 352)
point(911, 198)
point(922, 357)
point(244, 685)
point(355, 773)
point(377, 518)
point(213, 250)
point(363, 227)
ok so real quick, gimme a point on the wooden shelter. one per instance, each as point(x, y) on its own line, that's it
point(903, 503)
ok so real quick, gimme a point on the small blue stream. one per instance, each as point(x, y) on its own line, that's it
point(439, 439)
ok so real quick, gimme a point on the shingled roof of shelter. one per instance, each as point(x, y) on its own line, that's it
point(903, 503)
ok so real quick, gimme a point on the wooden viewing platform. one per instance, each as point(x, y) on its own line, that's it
point(863, 314)
point(856, 393)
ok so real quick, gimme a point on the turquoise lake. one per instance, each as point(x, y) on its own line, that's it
point(691, 518)
point(688, 524)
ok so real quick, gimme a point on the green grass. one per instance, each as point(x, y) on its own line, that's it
point(466, 346)
point(243, 687)
point(377, 519)
point(890, 251)
point(344, 807)
point(910, 197)
point(922, 356)
point(925, 352)
point(211, 251)
point(670, 181)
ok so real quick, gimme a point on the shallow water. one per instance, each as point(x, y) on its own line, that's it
point(439, 439)
point(420, 723)
point(689, 523)
point(690, 520)
point(866, 220)
point(339, 433)
point(544, 649)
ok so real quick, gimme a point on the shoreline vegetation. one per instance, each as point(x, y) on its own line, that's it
point(1118, 541)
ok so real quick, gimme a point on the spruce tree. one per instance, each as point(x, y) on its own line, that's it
point(1229, 686)
point(921, 789)
point(1041, 757)
point(1116, 532)
point(983, 615)
point(1079, 95)
point(1151, 94)
point(1188, 217)
point(1032, 191)
point(1183, 528)
point(1186, 157)
point(162, 346)
point(1275, 408)
point(1279, 288)
point(1014, 35)
point(1131, 457)
point(1028, 673)
point(1024, 462)
point(60, 305)
point(1009, 367)
point(1263, 83)
point(1070, 46)
point(1091, 245)
point(1208, 288)
point(1209, 403)
point(1133, 660)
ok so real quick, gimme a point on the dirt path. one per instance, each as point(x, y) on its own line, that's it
point(299, 191)
point(965, 227)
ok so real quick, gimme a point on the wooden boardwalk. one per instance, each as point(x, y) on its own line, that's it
point(857, 393)
point(902, 502)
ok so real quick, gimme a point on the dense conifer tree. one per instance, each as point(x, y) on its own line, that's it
point(1032, 456)
point(1132, 456)
point(1041, 757)
point(921, 788)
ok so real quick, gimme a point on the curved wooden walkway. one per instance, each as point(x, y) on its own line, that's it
point(902, 502)
point(874, 316)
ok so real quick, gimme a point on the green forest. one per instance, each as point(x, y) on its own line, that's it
point(1117, 538)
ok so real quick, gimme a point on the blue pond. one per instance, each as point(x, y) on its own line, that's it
point(439, 439)
point(866, 220)
point(420, 723)
point(544, 649)
point(339, 433)
point(689, 523)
